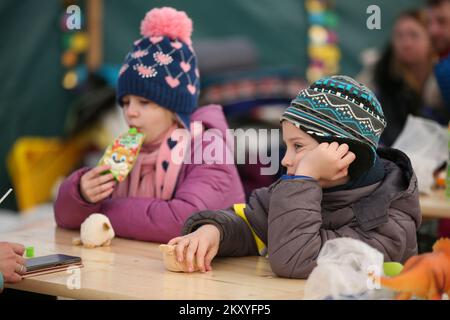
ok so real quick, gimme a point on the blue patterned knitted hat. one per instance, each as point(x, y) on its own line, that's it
point(338, 108)
point(162, 65)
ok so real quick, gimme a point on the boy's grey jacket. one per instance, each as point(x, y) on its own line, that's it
point(294, 218)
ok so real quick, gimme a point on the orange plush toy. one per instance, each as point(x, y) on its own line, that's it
point(424, 276)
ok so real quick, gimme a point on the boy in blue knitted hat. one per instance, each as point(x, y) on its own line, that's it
point(338, 184)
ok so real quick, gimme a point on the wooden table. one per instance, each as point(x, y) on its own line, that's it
point(435, 205)
point(134, 270)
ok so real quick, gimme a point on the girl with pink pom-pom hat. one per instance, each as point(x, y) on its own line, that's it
point(162, 66)
point(158, 90)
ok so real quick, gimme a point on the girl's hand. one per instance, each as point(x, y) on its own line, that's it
point(95, 187)
point(202, 243)
point(328, 161)
point(12, 264)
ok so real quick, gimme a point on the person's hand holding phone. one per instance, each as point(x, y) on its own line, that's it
point(12, 264)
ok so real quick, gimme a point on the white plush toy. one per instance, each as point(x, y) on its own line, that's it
point(96, 231)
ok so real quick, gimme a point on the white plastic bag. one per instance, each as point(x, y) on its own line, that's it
point(425, 142)
point(346, 269)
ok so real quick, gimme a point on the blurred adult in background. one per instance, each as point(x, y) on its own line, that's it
point(403, 76)
point(439, 30)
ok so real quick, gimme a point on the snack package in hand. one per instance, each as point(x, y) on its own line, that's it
point(122, 153)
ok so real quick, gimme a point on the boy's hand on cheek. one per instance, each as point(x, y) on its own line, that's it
point(328, 161)
point(95, 187)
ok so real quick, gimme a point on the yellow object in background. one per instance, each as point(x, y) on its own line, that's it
point(325, 52)
point(314, 6)
point(70, 80)
point(35, 164)
point(79, 42)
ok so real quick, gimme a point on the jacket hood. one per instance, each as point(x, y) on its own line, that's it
point(212, 117)
point(398, 189)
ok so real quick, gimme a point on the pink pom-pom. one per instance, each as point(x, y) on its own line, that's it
point(167, 22)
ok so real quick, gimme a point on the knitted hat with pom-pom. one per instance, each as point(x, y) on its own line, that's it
point(162, 65)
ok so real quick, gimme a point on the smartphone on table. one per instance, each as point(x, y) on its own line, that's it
point(51, 263)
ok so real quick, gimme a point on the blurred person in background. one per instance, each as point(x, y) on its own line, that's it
point(439, 30)
point(403, 76)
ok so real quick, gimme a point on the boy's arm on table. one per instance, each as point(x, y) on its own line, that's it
point(151, 219)
point(69, 207)
point(295, 233)
point(243, 228)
